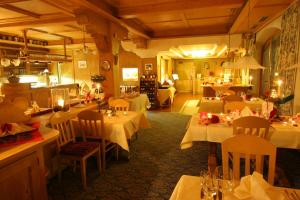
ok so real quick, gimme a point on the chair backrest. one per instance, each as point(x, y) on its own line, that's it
point(91, 124)
point(233, 106)
point(249, 148)
point(232, 98)
point(119, 104)
point(62, 121)
point(251, 125)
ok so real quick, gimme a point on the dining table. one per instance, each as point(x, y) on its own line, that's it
point(188, 188)
point(215, 104)
point(139, 103)
point(120, 127)
point(281, 134)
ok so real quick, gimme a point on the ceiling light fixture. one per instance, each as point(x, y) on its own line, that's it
point(248, 61)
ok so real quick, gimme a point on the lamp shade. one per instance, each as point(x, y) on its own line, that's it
point(247, 62)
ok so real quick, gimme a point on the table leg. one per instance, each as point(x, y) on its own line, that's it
point(212, 156)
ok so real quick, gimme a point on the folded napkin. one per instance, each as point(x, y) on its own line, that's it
point(254, 187)
point(246, 112)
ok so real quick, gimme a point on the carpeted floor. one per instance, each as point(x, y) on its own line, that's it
point(155, 165)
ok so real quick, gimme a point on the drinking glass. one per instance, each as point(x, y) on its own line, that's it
point(209, 186)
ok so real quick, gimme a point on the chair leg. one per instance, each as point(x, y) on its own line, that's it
point(74, 166)
point(59, 170)
point(83, 173)
point(136, 135)
point(103, 157)
point(117, 152)
point(99, 160)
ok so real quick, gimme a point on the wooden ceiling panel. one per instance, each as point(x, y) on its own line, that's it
point(259, 16)
point(208, 13)
point(160, 17)
point(167, 25)
point(273, 2)
point(38, 7)
point(209, 21)
point(6, 14)
point(193, 31)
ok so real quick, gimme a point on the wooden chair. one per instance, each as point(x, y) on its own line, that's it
point(249, 148)
point(119, 104)
point(71, 150)
point(251, 125)
point(91, 124)
point(234, 105)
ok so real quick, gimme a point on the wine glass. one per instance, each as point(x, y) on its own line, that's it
point(224, 185)
point(208, 185)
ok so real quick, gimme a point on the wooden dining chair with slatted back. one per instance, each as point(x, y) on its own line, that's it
point(251, 125)
point(250, 148)
point(91, 124)
point(233, 106)
point(71, 150)
point(119, 104)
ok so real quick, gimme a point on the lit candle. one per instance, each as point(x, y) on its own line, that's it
point(279, 83)
point(60, 102)
point(250, 78)
point(209, 115)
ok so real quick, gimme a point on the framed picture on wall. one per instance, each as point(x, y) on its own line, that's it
point(149, 67)
point(82, 64)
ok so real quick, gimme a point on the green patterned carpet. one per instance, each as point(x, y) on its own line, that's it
point(155, 165)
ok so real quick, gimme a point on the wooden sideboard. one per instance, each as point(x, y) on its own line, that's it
point(22, 169)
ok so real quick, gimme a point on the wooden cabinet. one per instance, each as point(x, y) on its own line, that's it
point(23, 179)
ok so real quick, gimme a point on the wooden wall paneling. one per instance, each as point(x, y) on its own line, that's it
point(129, 60)
point(152, 61)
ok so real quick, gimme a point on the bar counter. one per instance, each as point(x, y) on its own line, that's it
point(22, 169)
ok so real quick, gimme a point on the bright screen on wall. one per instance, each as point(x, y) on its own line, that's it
point(130, 74)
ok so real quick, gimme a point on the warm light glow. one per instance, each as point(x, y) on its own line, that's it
point(209, 115)
point(222, 50)
point(279, 82)
point(61, 102)
point(130, 74)
point(28, 79)
point(276, 74)
point(176, 53)
point(251, 78)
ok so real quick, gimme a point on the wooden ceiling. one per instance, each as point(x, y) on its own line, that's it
point(142, 18)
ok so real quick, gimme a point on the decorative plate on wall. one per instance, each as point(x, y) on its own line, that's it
point(105, 65)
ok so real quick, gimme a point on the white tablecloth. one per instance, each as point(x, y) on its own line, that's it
point(188, 188)
point(139, 103)
point(216, 106)
point(164, 94)
point(121, 127)
point(284, 136)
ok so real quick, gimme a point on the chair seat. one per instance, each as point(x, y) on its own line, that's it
point(79, 148)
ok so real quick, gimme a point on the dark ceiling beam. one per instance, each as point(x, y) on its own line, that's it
point(243, 15)
point(60, 5)
point(19, 10)
point(102, 9)
point(134, 11)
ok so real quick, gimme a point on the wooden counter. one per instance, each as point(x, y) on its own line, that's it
point(22, 169)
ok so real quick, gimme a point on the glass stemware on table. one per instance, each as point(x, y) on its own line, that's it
point(213, 186)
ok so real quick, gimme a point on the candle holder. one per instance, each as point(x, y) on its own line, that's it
point(60, 99)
